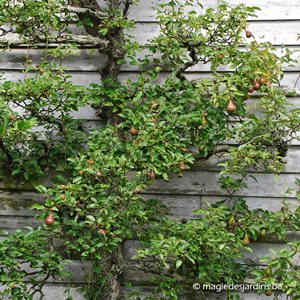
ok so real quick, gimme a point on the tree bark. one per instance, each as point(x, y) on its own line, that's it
point(112, 266)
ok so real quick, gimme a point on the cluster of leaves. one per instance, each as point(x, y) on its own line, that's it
point(38, 130)
point(30, 254)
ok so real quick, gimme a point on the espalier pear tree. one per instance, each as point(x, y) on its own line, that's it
point(153, 120)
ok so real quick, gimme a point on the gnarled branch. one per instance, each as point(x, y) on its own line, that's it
point(77, 39)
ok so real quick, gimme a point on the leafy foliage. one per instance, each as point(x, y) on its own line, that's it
point(153, 122)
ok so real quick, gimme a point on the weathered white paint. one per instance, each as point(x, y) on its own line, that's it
point(276, 32)
point(205, 183)
point(270, 10)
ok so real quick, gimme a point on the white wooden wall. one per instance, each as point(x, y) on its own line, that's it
point(277, 22)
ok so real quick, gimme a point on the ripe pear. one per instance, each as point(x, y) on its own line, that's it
point(49, 220)
point(248, 34)
point(246, 241)
point(204, 121)
point(220, 56)
point(231, 108)
point(263, 232)
point(256, 85)
point(262, 80)
point(251, 90)
point(133, 130)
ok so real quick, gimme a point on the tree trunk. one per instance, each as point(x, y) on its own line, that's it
point(112, 266)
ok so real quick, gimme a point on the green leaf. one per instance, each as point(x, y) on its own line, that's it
point(16, 171)
point(178, 263)
point(264, 259)
point(77, 180)
point(4, 277)
point(37, 206)
point(41, 189)
point(91, 218)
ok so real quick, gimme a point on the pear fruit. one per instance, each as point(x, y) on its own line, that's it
point(49, 220)
point(232, 221)
point(268, 271)
point(248, 34)
point(231, 108)
point(133, 130)
point(263, 232)
point(204, 121)
point(256, 85)
point(262, 80)
point(246, 241)
point(268, 293)
point(201, 147)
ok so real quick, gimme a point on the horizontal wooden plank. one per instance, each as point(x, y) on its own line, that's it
point(276, 32)
point(260, 248)
point(270, 10)
point(144, 11)
point(271, 204)
point(92, 62)
point(205, 183)
point(177, 205)
point(18, 203)
point(10, 224)
point(292, 162)
point(78, 78)
point(85, 61)
point(83, 112)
